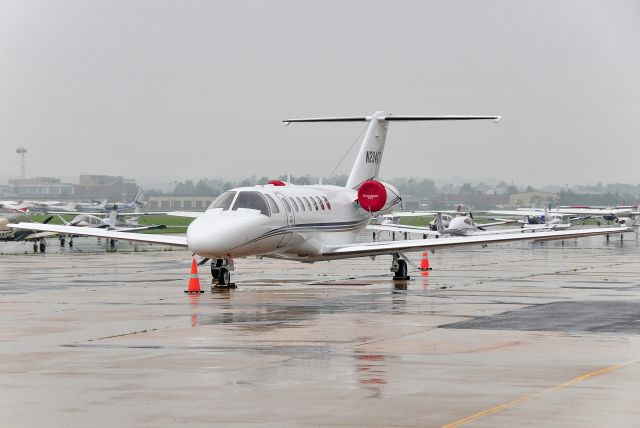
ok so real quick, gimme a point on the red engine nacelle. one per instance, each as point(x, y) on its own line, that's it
point(374, 196)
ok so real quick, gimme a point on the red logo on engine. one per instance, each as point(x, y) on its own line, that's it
point(372, 195)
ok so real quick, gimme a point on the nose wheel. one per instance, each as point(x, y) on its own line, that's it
point(220, 273)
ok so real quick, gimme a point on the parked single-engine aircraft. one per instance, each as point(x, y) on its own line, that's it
point(622, 215)
point(115, 221)
point(313, 222)
point(13, 207)
point(7, 234)
point(102, 207)
point(462, 224)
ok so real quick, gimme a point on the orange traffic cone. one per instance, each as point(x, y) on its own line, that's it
point(424, 263)
point(194, 281)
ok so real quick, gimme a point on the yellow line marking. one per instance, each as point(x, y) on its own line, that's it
point(510, 404)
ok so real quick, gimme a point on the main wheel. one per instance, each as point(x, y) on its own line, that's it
point(35, 247)
point(402, 271)
point(224, 277)
point(43, 247)
point(70, 243)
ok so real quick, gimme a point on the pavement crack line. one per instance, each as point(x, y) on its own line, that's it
point(526, 398)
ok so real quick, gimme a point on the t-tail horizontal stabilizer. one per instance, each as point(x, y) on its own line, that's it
point(367, 164)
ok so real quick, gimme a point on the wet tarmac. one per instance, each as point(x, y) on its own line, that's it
point(523, 334)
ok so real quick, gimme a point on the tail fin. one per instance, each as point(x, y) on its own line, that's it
point(113, 216)
point(367, 164)
point(439, 223)
point(139, 197)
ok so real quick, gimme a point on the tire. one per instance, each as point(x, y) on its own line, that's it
point(402, 271)
point(224, 277)
point(35, 247)
point(43, 247)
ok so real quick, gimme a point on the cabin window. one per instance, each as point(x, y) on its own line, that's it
point(286, 204)
point(294, 204)
point(306, 201)
point(252, 201)
point(223, 201)
point(314, 203)
point(326, 201)
point(301, 204)
point(320, 202)
point(273, 204)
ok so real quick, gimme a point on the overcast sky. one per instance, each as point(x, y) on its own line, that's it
point(198, 88)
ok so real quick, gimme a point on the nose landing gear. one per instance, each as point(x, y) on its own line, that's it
point(220, 273)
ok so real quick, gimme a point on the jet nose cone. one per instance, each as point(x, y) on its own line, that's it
point(225, 234)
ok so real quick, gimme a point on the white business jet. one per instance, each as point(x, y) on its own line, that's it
point(310, 223)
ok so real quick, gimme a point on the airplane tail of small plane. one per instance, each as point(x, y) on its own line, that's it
point(369, 158)
point(113, 216)
point(138, 200)
point(439, 223)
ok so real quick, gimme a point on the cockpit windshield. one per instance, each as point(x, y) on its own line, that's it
point(223, 201)
point(252, 200)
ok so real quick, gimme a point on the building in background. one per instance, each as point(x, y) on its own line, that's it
point(533, 199)
point(111, 187)
point(41, 187)
point(179, 202)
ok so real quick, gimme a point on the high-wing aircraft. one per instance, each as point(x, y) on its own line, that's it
point(311, 223)
point(622, 215)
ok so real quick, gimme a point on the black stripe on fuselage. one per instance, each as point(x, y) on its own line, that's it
point(344, 226)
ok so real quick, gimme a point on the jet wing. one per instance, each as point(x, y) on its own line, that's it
point(413, 245)
point(177, 241)
point(402, 229)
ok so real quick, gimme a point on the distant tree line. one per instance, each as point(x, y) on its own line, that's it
point(426, 189)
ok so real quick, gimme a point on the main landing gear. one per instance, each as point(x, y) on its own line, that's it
point(42, 245)
point(63, 240)
point(220, 273)
point(399, 268)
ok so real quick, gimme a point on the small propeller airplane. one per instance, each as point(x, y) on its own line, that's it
point(13, 207)
point(115, 221)
point(444, 223)
point(311, 223)
point(38, 238)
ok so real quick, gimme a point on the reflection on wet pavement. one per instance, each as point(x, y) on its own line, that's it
point(112, 337)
